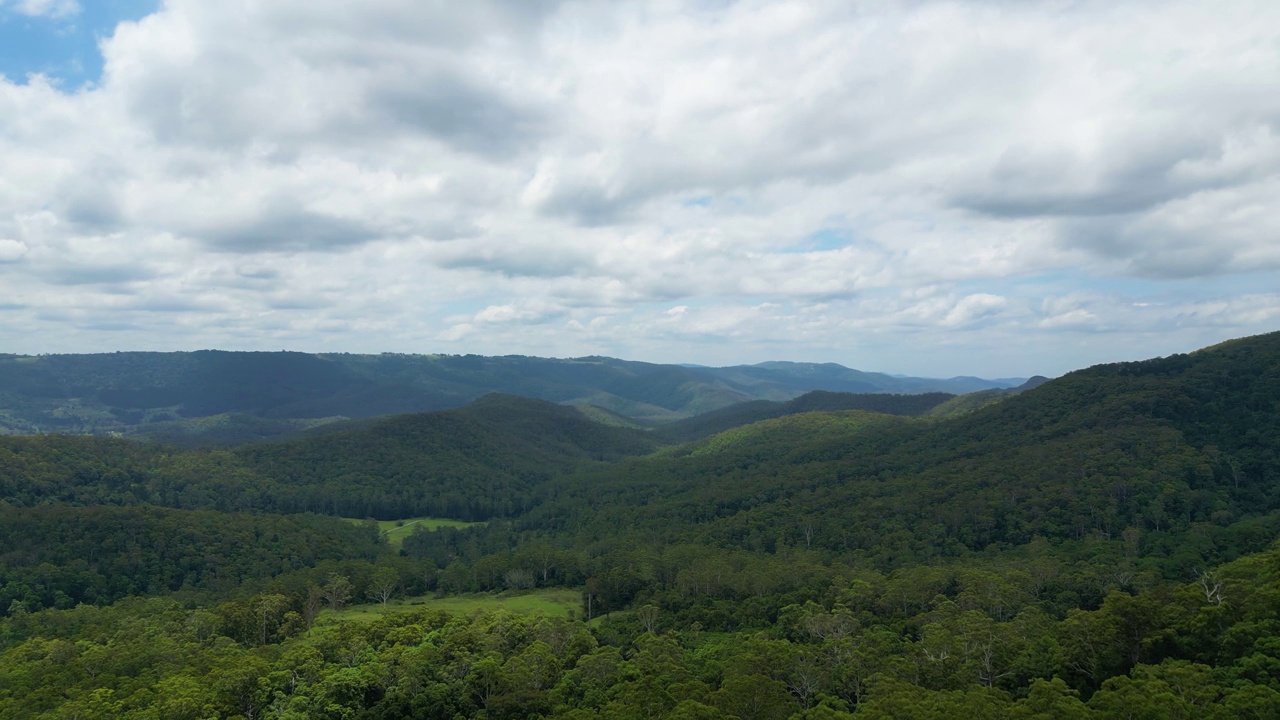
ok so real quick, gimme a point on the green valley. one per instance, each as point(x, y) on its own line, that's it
point(1101, 545)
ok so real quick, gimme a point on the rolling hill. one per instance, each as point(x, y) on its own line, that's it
point(213, 397)
point(471, 463)
point(710, 423)
point(1100, 545)
point(1182, 452)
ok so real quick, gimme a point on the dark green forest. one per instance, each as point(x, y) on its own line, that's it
point(1103, 545)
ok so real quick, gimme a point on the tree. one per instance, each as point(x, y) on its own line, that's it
point(383, 584)
point(337, 591)
point(1050, 700)
point(807, 679)
point(269, 611)
point(648, 617)
point(311, 605)
point(486, 678)
point(518, 579)
point(753, 697)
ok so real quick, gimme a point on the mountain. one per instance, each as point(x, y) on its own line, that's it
point(965, 404)
point(1101, 545)
point(487, 458)
point(1181, 452)
point(215, 397)
point(715, 421)
point(837, 378)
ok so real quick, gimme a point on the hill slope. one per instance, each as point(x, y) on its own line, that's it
point(715, 421)
point(1179, 453)
point(268, 393)
point(470, 463)
point(1056, 554)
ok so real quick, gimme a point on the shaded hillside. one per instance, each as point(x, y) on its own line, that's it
point(470, 463)
point(226, 429)
point(1178, 455)
point(838, 378)
point(261, 394)
point(59, 556)
point(1059, 553)
point(75, 470)
point(965, 404)
point(710, 423)
point(780, 437)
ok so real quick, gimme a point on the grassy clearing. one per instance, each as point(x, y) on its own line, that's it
point(397, 530)
point(547, 601)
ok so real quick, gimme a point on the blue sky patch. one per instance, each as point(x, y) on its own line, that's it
point(63, 49)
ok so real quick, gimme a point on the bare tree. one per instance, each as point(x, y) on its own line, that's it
point(1211, 585)
point(383, 584)
point(312, 605)
point(806, 680)
point(648, 617)
point(518, 579)
point(337, 591)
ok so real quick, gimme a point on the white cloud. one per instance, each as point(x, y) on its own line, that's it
point(973, 308)
point(809, 180)
point(56, 9)
point(11, 250)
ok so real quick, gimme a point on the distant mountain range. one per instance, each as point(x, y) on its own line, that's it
point(248, 395)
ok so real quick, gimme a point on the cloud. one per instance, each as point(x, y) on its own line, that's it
point(285, 228)
point(460, 112)
point(97, 274)
point(514, 258)
point(11, 250)
point(973, 308)
point(808, 180)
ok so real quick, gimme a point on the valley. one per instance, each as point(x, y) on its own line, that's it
point(1098, 545)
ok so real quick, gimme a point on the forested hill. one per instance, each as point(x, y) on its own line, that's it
point(1180, 452)
point(1079, 550)
point(236, 396)
point(710, 423)
point(485, 459)
point(470, 463)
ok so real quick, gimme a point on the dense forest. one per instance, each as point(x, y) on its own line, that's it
point(1102, 545)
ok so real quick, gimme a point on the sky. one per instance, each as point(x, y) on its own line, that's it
point(991, 188)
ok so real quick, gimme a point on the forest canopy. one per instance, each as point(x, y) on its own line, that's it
point(1102, 545)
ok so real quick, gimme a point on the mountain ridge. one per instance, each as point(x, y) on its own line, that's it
point(127, 392)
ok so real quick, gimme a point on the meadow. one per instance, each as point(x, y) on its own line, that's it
point(552, 602)
point(397, 530)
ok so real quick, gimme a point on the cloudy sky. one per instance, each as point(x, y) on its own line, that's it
point(988, 187)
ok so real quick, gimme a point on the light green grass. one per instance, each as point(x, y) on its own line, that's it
point(552, 602)
point(397, 530)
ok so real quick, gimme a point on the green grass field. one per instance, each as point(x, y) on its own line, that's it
point(397, 530)
point(548, 601)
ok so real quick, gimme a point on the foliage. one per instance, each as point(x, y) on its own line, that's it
point(472, 463)
point(717, 421)
point(1164, 653)
point(59, 556)
point(1101, 546)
